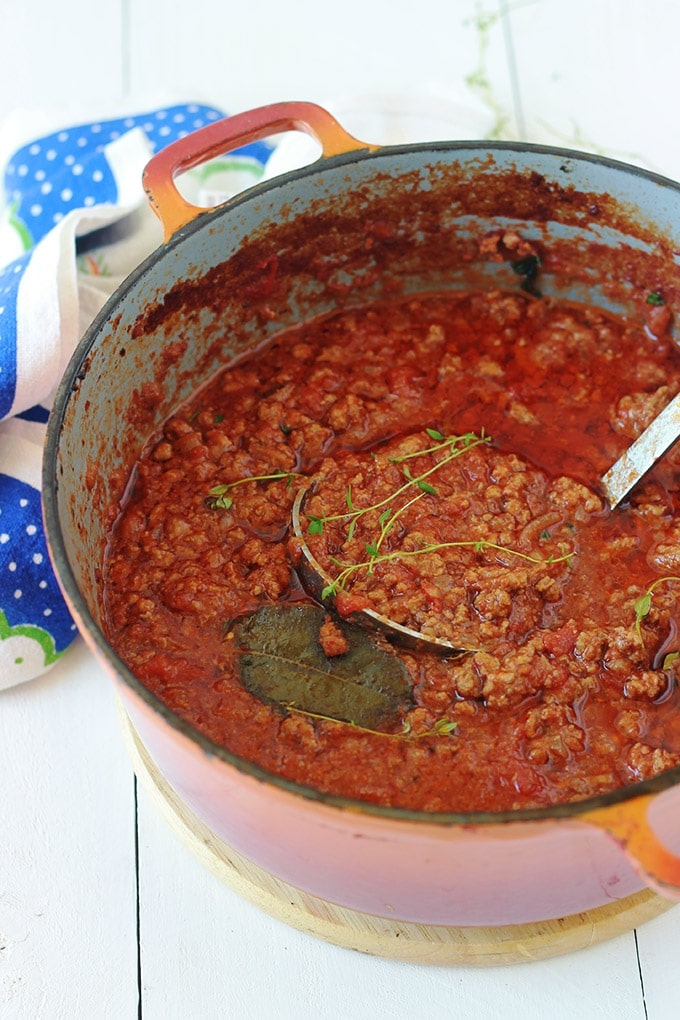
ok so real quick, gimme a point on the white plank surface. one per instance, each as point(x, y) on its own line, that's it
point(68, 939)
point(596, 74)
point(658, 953)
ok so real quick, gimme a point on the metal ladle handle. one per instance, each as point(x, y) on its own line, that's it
point(643, 453)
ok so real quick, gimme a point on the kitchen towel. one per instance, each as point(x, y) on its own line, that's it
point(73, 224)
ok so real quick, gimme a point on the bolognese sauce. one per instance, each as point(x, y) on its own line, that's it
point(445, 452)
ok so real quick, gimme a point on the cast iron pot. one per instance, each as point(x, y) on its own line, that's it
point(359, 223)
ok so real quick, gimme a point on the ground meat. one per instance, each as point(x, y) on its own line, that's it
point(645, 762)
point(665, 554)
point(331, 639)
point(574, 499)
point(648, 683)
point(565, 612)
point(635, 411)
point(500, 245)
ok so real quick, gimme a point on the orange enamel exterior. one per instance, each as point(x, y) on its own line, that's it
point(435, 874)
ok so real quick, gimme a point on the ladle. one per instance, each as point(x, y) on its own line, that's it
point(617, 482)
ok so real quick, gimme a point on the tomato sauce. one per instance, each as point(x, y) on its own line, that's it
point(445, 451)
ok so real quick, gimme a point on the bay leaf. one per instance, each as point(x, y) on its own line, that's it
point(282, 661)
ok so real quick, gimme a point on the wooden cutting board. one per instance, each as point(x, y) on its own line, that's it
point(379, 936)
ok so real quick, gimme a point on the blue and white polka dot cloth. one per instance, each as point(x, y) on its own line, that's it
point(58, 190)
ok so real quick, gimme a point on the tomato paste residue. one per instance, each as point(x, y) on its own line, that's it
point(450, 448)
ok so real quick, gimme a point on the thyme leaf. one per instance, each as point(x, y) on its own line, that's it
point(445, 726)
point(643, 605)
point(315, 526)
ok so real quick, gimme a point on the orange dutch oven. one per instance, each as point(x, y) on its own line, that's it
point(611, 230)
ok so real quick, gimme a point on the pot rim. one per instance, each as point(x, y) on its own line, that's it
point(87, 623)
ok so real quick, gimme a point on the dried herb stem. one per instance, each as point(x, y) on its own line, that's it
point(444, 727)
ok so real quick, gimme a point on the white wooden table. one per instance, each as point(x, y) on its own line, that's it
point(103, 913)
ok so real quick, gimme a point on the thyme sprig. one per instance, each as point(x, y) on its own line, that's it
point(456, 446)
point(479, 545)
point(218, 497)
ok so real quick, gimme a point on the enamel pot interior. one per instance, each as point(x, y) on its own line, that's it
point(351, 229)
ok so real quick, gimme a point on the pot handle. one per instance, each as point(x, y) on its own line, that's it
point(628, 825)
point(230, 133)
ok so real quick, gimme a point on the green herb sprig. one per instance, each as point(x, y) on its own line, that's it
point(456, 445)
point(340, 582)
point(218, 497)
point(643, 605)
point(528, 268)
